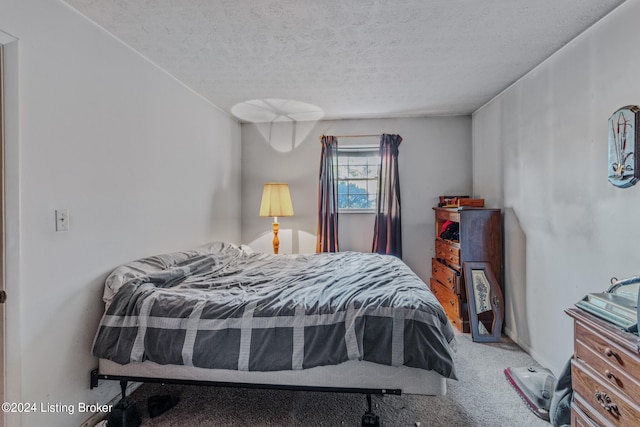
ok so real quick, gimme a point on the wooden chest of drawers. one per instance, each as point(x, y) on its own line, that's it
point(605, 373)
point(479, 239)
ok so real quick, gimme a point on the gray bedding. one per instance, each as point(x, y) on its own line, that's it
point(223, 306)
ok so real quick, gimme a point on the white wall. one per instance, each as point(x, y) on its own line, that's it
point(540, 150)
point(435, 159)
point(143, 165)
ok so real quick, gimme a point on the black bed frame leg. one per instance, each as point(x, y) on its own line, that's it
point(125, 412)
point(123, 389)
point(94, 379)
point(369, 419)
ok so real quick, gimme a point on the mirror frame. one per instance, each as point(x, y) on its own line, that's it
point(495, 302)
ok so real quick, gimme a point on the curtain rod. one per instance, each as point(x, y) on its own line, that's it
point(353, 136)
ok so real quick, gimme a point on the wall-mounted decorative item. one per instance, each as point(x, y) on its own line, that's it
point(624, 141)
point(484, 299)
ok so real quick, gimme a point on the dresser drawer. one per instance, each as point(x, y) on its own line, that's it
point(448, 252)
point(604, 399)
point(609, 370)
point(581, 415)
point(449, 301)
point(445, 275)
point(603, 355)
point(448, 215)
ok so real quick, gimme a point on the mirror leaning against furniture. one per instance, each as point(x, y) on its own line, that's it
point(485, 302)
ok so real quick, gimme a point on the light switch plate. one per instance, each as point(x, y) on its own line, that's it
point(62, 220)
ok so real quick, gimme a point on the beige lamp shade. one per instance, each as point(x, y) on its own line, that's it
point(276, 200)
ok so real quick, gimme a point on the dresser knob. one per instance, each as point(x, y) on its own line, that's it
point(452, 302)
point(609, 374)
point(610, 353)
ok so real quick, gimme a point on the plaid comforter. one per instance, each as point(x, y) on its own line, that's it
point(223, 306)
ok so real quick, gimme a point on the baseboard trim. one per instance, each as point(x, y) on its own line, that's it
point(514, 337)
point(527, 348)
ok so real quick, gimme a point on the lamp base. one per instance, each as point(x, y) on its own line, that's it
point(276, 241)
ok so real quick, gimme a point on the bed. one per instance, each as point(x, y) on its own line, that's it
point(222, 314)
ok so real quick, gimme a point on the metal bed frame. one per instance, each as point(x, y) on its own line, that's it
point(369, 419)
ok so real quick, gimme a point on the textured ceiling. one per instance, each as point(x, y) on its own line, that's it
point(345, 58)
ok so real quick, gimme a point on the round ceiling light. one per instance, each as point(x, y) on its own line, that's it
point(276, 110)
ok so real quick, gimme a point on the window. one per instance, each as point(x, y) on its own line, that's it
point(358, 178)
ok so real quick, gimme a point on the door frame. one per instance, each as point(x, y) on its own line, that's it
point(2, 233)
point(10, 225)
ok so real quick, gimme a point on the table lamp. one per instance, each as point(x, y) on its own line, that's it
point(276, 201)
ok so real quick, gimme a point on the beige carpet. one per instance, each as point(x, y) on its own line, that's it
point(481, 397)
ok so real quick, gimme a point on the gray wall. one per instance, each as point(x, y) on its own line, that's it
point(142, 163)
point(540, 151)
point(435, 159)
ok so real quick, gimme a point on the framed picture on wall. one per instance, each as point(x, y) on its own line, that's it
point(624, 140)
